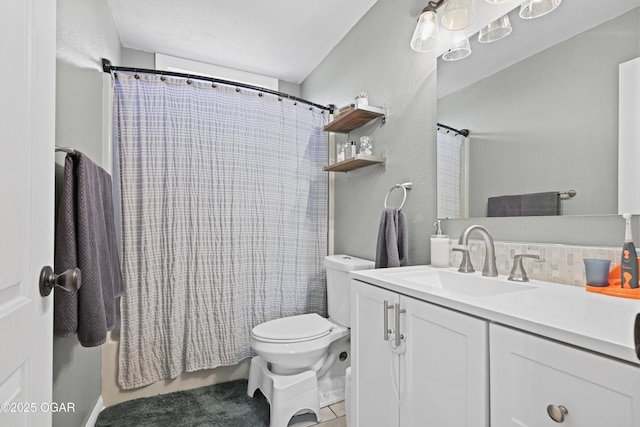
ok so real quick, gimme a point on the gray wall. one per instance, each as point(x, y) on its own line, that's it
point(136, 58)
point(375, 57)
point(289, 88)
point(549, 122)
point(85, 34)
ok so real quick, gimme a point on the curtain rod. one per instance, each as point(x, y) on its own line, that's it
point(463, 132)
point(108, 67)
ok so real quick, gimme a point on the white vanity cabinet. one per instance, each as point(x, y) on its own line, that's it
point(437, 375)
point(531, 376)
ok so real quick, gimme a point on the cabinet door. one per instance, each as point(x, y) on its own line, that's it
point(373, 397)
point(446, 371)
point(529, 373)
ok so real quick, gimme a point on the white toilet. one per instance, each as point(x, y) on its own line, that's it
point(295, 367)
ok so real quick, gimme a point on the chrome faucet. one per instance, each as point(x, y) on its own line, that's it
point(517, 271)
point(465, 264)
point(489, 269)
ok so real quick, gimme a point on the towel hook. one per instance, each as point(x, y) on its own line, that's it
point(70, 280)
point(405, 186)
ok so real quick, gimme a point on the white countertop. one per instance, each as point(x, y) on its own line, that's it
point(569, 314)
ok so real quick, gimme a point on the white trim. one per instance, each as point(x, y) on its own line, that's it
point(464, 184)
point(107, 123)
point(187, 66)
point(628, 129)
point(93, 417)
point(331, 223)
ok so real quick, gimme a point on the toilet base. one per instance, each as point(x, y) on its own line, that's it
point(287, 394)
point(331, 386)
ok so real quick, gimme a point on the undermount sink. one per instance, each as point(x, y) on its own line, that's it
point(468, 284)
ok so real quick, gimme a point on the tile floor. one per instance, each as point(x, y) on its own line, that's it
point(332, 416)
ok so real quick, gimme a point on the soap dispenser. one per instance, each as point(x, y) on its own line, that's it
point(439, 247)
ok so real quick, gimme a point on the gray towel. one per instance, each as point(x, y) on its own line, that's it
point(534, 204)
point(393, 246)
point(540, 204)
point(504, 206)
point(85, 238)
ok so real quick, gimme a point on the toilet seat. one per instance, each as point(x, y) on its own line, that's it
point(293, 329)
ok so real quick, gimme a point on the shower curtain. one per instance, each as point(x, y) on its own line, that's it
point(223, 205)
point(452, 175)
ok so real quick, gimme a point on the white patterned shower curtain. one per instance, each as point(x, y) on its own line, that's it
point(452, 179)
point(223, 206)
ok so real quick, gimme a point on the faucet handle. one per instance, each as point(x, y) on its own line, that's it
point(465, 265)
point(517, 273)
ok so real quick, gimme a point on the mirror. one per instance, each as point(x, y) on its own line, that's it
point(541, 109)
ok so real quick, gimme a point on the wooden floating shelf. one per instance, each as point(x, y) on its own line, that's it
point(354, 117)
point(359, 161)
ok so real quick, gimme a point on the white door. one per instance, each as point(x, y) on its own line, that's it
point(27, 125)
point(374, 368)
point(446, 367)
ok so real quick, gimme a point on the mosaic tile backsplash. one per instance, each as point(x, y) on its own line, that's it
point(558, 263)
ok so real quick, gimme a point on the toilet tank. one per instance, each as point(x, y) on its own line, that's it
point(339, 285)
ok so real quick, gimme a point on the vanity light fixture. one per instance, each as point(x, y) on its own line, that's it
point(536, 8)
point(498, 29)
point(458, 51)
point(458, 15)
point(426, 35)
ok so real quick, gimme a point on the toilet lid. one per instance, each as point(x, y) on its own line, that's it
point(303, 327)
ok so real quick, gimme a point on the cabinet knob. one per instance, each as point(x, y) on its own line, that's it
point(557, 412)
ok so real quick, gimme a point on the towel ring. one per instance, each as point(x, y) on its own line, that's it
point(405, 186)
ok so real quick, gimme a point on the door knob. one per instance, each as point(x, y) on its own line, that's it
point(70, 280)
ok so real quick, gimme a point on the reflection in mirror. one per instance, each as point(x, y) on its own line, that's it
point(541, 113)
point(453, 174)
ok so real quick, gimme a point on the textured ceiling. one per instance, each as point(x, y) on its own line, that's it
point(285, 39)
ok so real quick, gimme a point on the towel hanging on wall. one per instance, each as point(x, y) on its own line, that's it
point(393, 247)
point(85, 238)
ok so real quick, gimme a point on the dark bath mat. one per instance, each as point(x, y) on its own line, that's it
point(219, 405)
